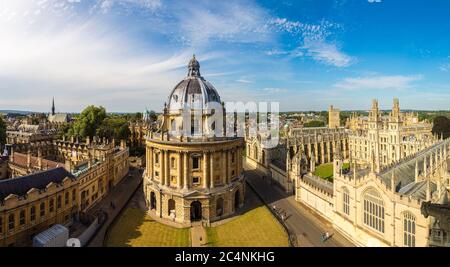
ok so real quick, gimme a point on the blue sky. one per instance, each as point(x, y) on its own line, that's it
point(127, 55)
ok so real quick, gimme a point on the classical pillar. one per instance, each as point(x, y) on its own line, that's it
point(150, 162)
point(211, 176)
point(205, 170)
point(228, 166)
point(186, 177)
point(167, 165)
point(180, 169)
point(224, 167)
point(239, 160)
point(162, 167)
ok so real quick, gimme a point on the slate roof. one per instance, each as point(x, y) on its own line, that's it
point(20, 186)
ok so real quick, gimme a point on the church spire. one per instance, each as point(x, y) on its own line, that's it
point(53, 106)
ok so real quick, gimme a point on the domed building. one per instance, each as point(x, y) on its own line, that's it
point(193, 173)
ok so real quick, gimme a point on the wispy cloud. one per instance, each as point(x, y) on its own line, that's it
point(315, 43)
point(378, 82)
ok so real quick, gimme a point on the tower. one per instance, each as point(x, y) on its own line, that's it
point(334, 120)
point(53, 106)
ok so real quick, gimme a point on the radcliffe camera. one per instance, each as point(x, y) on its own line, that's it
point(224, 131)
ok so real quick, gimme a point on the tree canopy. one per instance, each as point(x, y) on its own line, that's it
point(441, 125)
point(2, 131)
point(88, 122)
point(314, 124)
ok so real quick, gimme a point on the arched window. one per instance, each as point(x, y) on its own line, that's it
point(409, 230)
point(22, 217)
point(255, 152)
point(373, 210)
point(51, 206)
point(11, 222)
point(345, 201)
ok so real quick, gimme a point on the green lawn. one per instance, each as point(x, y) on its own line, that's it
point(136, 229)
point(325, 171)
point(256, 228)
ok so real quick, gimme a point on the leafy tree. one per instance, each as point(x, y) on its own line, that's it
point(314, 124)
point(441, 125)
point(114, 127)
point(88, 122)
point(2, 131)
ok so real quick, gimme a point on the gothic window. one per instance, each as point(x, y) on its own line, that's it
point(74, 195)
point(42, 209)
point(345, 201)
point(11, 222)
point(58, 202)
point(409, 230)
point(33, 213)
point(66, 198)
point(51, 205)
point(22, 217)
point(373, 210)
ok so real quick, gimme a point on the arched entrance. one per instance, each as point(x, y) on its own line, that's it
point(152, 201)
point(237, 199)
point(196, 211)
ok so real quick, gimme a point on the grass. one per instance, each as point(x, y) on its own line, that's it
point(136, 229)
point(255, 228)
point(325, 171)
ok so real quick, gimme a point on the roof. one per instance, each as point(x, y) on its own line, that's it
point(59, 117)
point(20, 159)
point(20, 186)
point(193, 90)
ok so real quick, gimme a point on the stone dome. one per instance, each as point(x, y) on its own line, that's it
point(193, 92)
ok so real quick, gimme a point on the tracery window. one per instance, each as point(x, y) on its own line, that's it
point(409, 230)
point(373, 210)
point(345, 201)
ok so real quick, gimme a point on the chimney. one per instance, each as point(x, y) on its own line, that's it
point(28, 158)
point(39, 159)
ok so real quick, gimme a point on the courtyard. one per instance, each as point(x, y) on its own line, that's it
point(252, 226)
point(255, 228)
point(136, 229)
point(325, 171)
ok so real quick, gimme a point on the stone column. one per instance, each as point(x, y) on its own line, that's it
point(205, 170)
point(416, 176)
point(322, 151)
point(425, 166)
point(316, 153)
point(186, 177)
point(162, 167)
point(180, 169)
point(239, 160)
point(150, 163)
point(224, 167)
point(211, 176)
point(167, 165)
point(328, 152)
point(228, 166)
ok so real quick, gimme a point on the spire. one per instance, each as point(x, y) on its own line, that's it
point(53, 106)
point(194, 67)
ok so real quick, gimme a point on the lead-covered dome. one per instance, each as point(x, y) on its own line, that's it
point(192, 92)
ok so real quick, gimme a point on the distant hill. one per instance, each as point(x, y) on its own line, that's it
point(19, 112)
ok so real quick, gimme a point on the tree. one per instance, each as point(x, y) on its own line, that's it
point(88, 122)
point(114, 127)
point(441, 125)
point(314, 124)
point(2, 131)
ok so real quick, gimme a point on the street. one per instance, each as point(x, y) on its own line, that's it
point(307, 226)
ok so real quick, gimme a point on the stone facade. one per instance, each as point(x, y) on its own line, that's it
point(334, 119)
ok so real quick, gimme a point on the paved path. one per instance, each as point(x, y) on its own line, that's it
point(198, 236)
point(307, 226)
point(120, 195)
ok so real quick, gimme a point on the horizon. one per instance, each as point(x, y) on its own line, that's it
point(129, 54)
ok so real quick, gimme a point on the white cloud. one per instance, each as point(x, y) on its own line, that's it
point(272, 90)
point(327, 53)
point(378, 82)
point(244, 80)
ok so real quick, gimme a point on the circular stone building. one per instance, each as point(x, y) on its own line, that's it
point(192, 175)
